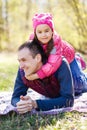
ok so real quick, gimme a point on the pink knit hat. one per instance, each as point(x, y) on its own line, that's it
point(43, 18)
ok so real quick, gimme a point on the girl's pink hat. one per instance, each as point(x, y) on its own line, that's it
point(43, 18)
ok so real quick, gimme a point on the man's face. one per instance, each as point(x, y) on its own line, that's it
point(27, 62)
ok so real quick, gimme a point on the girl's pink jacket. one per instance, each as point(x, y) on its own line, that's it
point(61, 48)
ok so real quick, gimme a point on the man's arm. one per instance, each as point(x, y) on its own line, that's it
point(53, 103)
point(19, 89)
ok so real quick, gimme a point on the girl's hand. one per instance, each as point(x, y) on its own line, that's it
point(32, 76)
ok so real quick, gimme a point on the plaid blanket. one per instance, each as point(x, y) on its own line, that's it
point(80, 104)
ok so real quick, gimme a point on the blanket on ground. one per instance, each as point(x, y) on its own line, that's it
point(80, 104)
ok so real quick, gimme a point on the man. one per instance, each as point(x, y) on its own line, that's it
point(58, 87)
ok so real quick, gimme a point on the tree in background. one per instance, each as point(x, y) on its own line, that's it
point(70, 18)
point(4, 30)
point(14, 23)
point(76, 12)
point(1, 23)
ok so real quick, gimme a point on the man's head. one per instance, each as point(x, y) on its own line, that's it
point(31, 57)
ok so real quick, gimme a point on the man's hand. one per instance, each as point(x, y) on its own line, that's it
point(25, 104)
point(32, 77)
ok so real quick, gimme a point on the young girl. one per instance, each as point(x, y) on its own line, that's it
point(56, 48)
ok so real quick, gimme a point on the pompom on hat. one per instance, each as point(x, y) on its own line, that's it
point(43, 18)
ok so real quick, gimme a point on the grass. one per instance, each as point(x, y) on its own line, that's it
point(8, 69)
point(62, 121)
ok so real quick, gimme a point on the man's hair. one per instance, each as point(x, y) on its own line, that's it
point(35, 48)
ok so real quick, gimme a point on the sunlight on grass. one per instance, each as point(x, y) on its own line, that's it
point(8, 57)
point(8, 70)
point(68, 122)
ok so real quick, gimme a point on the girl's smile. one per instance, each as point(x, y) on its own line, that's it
point(44, 33)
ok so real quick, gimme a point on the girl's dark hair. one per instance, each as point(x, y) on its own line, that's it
point(35, 48)
point(49, 45)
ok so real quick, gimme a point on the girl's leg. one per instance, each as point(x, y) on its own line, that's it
point(79, 77)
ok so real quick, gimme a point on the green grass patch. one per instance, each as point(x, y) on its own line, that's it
point(8, 70)
point(61, 121)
